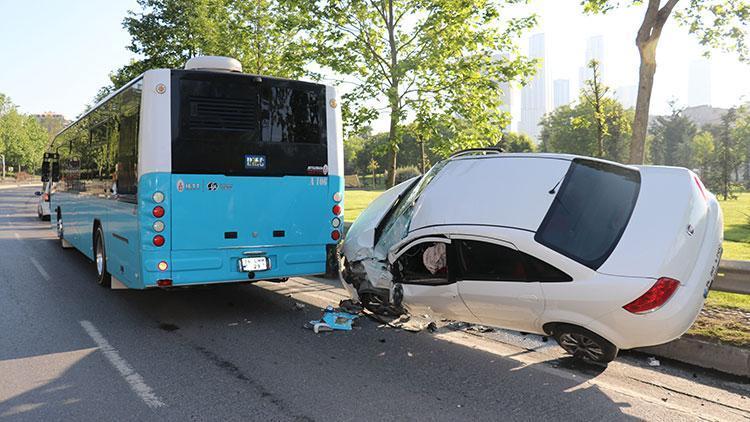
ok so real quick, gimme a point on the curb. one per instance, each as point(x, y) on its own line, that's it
point(21, 185)
point(721, 357)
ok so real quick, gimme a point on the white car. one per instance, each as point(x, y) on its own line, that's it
point(42, 206)
point(599, 255)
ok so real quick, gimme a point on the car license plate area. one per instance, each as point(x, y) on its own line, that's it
point(253, 264)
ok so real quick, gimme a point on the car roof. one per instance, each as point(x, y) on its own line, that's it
point(505, 190)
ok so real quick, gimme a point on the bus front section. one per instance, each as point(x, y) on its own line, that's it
point(255, 188)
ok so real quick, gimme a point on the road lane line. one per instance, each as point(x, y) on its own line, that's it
point(39, 268)
point(134, 379)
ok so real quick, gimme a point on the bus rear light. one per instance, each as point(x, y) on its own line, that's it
point(158, 197)
point(335, 235)
point(655, 297)
point(162, 266)
point(337, 209)
point(158, 211)
point(336, 222)
point(164, 283)
point(158, 226)
point(158, 240)
point(337, 197)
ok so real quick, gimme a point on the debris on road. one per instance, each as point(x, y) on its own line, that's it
point(332, 320)
point(299, 306)
point(652, 361)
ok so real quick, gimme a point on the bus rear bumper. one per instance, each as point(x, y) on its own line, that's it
point(204, 266)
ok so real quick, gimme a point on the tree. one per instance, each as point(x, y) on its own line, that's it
point(726, 154)
point(716, 23)
point(594, 94)
point(672, 144)
point(22, 138)
point(266, 36)
point(703, 153)
point(517, 142)
point(422, 59)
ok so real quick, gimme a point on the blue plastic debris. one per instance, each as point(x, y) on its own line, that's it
point(333, 320)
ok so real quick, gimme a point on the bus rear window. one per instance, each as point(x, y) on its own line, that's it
point(590, 212)
point(238, 124)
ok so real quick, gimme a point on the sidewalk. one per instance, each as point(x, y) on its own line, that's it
point(11, 185)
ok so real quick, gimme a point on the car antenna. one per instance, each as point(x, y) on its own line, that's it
point(552, 191)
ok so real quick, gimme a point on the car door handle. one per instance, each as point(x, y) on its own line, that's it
point(529, 298)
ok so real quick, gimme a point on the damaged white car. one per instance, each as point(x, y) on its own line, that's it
point(599, 255)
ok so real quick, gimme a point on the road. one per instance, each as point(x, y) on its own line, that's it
point(71, 350)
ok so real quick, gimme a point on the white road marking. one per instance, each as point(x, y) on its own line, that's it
point(39, 268)
point(134, 379)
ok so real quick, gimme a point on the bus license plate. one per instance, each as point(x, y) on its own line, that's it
point(253, 264)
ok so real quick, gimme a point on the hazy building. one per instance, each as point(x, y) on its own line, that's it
point(51, 121)
point(699, 83)
point(561, 92)
point(594, 51)
point(506, 94)
point(534, 94)
point(627, 95)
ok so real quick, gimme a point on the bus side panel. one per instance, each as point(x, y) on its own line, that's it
point(151, 255)
point(122, 242)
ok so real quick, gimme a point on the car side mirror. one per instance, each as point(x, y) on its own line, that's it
point(55, 171)
point(45, 171)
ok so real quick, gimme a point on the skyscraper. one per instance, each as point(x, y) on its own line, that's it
point(594, 51)
point(699, 83)
point(561, 95)
point(534, 94)
point(506, 94)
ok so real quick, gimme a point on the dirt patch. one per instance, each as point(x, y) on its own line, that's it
point(722, 325)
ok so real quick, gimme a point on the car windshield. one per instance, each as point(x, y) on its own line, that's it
point(590, 212)
point(396, 224)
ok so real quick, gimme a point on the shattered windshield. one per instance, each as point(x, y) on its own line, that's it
point(397, 225)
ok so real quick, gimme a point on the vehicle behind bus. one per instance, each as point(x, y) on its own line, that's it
point(204, 175)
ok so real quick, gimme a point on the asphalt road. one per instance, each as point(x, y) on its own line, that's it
point(71, 350)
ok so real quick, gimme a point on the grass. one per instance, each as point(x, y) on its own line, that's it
point(355, 201)
point(737, 227)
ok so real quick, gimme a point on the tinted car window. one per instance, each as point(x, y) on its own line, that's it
point(590, 212)
point(491, 262)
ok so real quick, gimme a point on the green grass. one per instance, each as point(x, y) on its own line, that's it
point(355, 201)
point(737, 227)
point(728, 300)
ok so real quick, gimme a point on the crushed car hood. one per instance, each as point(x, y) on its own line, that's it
point(360, 238)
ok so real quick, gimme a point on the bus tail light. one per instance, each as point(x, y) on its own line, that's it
point(655, 297)
point(158, 226)
point(158, 240)
point(335, 235)
point(158, 197)
point(158, 211)
point(164, 283)
point(336, 222)
point(337, 197)
point(162, 266)
point(336, 209)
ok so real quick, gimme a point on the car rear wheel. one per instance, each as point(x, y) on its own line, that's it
point(584, 344)
point(100, 259)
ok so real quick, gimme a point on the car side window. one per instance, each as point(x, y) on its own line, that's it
point(490, 262)
point(424, 263)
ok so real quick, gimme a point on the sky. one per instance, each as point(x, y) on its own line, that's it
point(55, 55)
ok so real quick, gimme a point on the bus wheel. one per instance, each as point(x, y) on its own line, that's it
point(61, 233)
point(100, 258)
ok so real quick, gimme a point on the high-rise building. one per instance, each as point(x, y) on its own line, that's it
point(699, 83)
point(626, 95)
point(594, 51)
point(561, 95)
point(506, 94)
point(534, 94)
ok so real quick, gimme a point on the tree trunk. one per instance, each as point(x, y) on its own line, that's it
point(645, 86)
point(393, 95)
point(422, 157)
point(393, 142)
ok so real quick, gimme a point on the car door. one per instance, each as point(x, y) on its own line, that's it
point(500, 284)
point(423, 275)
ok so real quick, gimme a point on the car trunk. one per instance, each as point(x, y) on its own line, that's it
point(217, 211)
point(667, 230)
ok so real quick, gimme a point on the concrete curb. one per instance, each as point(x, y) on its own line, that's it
point(721, 357)
point(21, 185)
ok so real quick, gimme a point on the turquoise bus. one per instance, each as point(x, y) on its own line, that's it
point(202, 175)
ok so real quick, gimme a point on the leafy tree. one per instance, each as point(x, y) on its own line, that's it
point(726, 155)
point(672, 144)
point(22, 138)
point(703, 153)
point(422, 59)
point(742, 135)
point(573, 129)
point(517, 142)
point(266, 36)
point(716, 23)
point(594, 95)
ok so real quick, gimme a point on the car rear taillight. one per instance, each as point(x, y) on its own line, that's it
point(336, 209)
point(335, 235)
point(158, 240)
point(700, 187)
point(655, 297)
point(158, 211)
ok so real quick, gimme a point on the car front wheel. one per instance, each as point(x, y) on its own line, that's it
point(584, 344)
